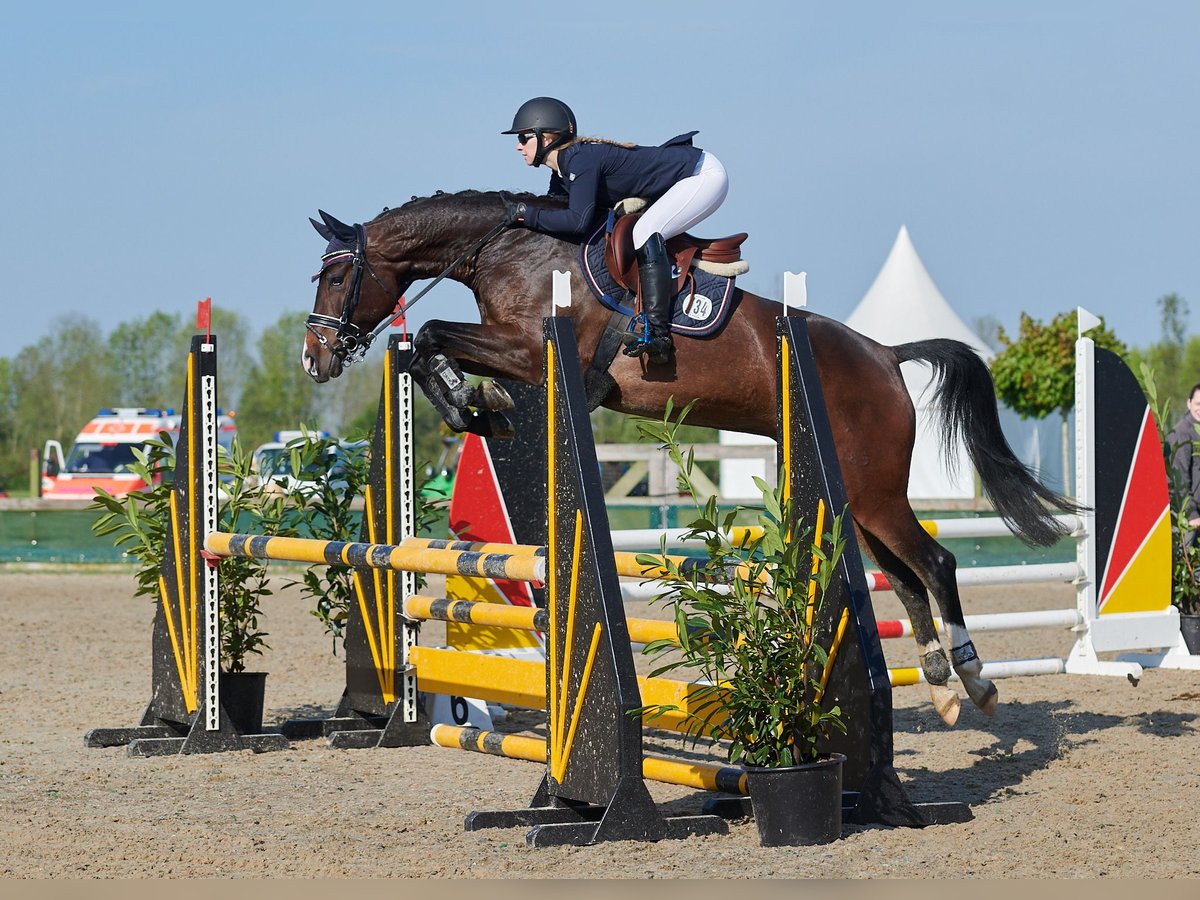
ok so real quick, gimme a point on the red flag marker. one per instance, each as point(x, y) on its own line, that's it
point(399, 317)
point(204, 316)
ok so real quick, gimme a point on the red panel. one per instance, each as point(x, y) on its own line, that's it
point(477, 510)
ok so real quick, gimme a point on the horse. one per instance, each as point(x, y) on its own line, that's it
point(731, 376)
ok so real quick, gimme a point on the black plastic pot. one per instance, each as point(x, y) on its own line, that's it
point(1189, 627)
point(797, 805)
point(242, 696)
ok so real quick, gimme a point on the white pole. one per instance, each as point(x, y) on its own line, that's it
point(1085, 482)
point(648, 538)
point(212, 608)
point(403, 476)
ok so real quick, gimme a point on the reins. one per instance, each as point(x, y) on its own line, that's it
point(351, 346)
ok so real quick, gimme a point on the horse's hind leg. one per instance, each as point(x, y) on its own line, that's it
point(913, 594)
point(927, 563)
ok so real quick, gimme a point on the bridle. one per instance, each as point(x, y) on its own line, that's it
point(349, 343)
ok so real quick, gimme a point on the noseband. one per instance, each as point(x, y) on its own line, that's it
point(349, 343)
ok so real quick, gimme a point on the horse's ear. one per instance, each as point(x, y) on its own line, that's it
point(340, 229)
point(322, 230)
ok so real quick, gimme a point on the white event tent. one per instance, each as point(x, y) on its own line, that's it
point(902, 305)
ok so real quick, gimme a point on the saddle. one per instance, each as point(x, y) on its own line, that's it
point(721, 256)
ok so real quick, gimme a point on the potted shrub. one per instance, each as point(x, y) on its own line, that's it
point(140, 526)
point(1185, 577)
point(750, 623)
point(1185, 557)
point(324, 485)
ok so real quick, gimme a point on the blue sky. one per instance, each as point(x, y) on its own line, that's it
point(1042, 155)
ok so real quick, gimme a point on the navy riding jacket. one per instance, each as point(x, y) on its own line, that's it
point(595, 176)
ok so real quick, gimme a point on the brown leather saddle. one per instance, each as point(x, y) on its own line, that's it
point(684, 249)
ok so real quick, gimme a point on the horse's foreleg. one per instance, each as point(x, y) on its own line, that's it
point(461, 393)
point(913, 595)
point(459, 418)
point(446, 349)
point(494, 350)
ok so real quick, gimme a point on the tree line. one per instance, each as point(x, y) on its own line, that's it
point(51, 388)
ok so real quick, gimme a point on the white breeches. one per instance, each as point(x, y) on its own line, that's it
point(688, 202)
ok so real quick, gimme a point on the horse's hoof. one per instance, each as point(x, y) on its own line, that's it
point(488, 424)
point(990, 700)
point(457, 419)
point(502, 427)
point(946, 702)
point(492, 395)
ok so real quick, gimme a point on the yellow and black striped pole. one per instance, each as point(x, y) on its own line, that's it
point(402, 558)
point(526, 618)
point(627, 564)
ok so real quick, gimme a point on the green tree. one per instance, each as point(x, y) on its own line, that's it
point(1035, 374)
point(52, 388)
point(149, 351)
point(1174, 359)
point(351, 400)
point(277, 393)
point(233, 348)
point(10, 455)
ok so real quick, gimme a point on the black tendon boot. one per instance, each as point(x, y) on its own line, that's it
point(654, 276)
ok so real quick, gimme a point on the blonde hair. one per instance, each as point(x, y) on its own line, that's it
point(593, 140)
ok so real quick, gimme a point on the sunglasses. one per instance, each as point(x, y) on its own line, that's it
point(526, 136)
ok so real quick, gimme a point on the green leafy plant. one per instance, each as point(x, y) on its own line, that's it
point(247, 507)
point(140, 520)
point(140, 524)
point(1185, 552)
point(750, 622)
point(325, 481)
point(322, 483)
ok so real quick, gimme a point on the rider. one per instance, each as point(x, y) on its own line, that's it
point(682, 184)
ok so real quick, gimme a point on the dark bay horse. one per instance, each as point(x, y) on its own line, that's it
point(732, 376)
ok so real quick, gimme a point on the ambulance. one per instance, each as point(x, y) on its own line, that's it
point(103, 452)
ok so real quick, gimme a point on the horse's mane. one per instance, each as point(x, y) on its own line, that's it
point(468, 198)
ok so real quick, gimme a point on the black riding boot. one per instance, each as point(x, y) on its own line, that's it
point(654, 276)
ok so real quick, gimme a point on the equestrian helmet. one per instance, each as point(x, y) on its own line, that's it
point(544, 114)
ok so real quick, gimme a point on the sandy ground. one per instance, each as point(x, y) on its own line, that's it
point(1076, 776)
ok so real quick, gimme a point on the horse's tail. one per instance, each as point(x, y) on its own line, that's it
point(966, 400)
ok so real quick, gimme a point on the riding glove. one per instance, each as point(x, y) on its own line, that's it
point(514, 211)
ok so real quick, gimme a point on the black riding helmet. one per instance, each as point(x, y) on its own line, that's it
point(542, 114)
